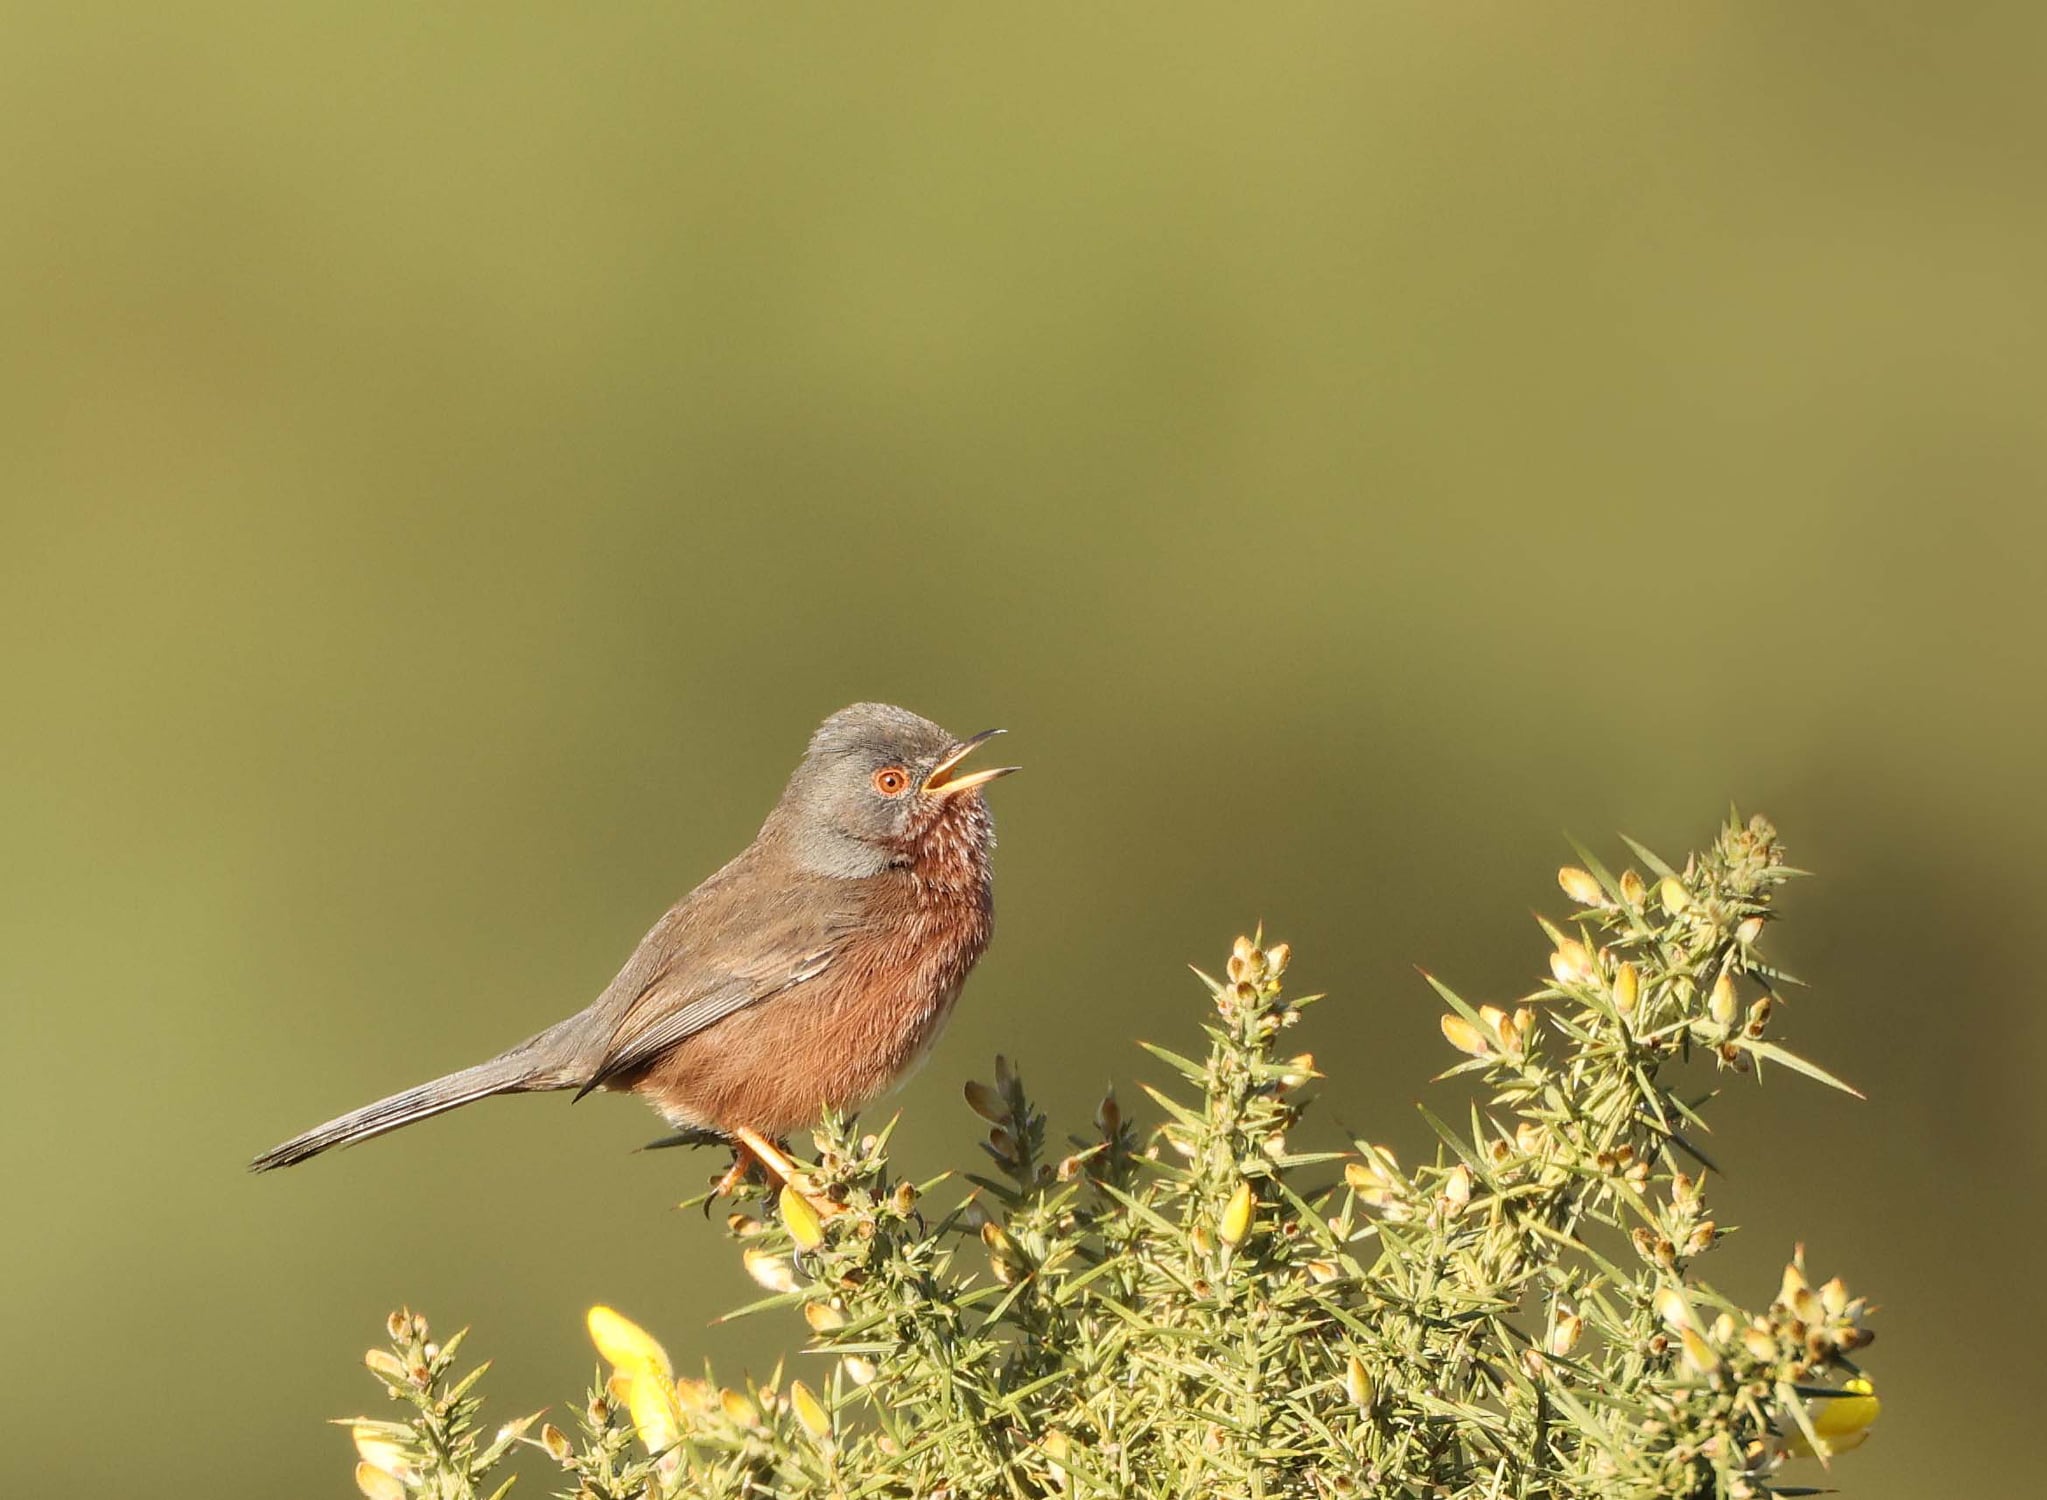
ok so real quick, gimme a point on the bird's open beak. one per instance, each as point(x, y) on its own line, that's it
point(942, 783)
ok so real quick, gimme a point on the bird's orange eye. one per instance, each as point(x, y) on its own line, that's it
point(891, 780)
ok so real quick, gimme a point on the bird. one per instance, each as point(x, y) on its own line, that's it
point(812, 973)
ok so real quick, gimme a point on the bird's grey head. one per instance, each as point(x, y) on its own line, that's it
point(877, 785)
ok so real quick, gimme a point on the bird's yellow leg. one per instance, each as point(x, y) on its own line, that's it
point(777, 1165)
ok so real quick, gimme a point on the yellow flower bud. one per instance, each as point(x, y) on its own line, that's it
point(1723, 1005)
point(1749, 931)
point(772, 1271)
point(1464, 1036)
point(1672, 893)
point(1571, 963)
point(1672, 1308)
point(1581, 886)
point(740, 1409)
point(1004, 1253)
point(1564, 1337)
point(1632, 889)
point(823, 1317)
point(1494, 1020)
point(1357, 1384)
point(1627, 985)
point(386, 1364)
point(1276, 959)
point(810, 1411)
point(557, 1443)
point(1761, 1347)
point(1236, 1218)
point(804, 1226)
point(1698, 1354)
point(859, 1370)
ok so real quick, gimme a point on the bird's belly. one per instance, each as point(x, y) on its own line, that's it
point(839, 1042)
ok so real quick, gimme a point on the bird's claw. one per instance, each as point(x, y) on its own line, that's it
point(749, 1147)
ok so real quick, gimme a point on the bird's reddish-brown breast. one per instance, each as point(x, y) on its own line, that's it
point(846, 1037)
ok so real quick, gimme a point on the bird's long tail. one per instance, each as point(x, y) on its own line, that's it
point(518, 1071)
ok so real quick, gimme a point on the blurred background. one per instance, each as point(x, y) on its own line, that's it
point(453, 458)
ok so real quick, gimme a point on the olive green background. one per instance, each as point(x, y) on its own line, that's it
point(453, 455)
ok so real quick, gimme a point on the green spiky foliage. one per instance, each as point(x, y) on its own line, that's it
point(1193, 1304)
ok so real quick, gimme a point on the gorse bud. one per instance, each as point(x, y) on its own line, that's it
point(1571, 963)
point(985, 1102)
point(1236, 1216)
point(1357, 1384)
point(1581, 886)
point(1563, 1338)
point(739, 1409)
point(1698, 1354)
point(1723, 1005)
point(810, 1411)
point(772, 1271)
point(386, 1364)
point(1109, 1114)
point(1464, 1036)
point(1626, 989)
point(801, 1220)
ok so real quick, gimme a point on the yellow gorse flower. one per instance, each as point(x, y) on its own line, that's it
point(1841, 1422)
point(642, 1379)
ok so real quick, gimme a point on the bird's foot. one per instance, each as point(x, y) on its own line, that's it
point(750, 1147)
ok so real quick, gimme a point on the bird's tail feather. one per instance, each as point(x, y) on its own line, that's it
point(512, 1073)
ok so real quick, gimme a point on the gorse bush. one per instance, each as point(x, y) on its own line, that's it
point(1197, 1306)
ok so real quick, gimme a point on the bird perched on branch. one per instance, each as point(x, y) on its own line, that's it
point(812, 972)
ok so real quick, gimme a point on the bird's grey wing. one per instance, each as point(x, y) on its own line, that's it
point(713, 955)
